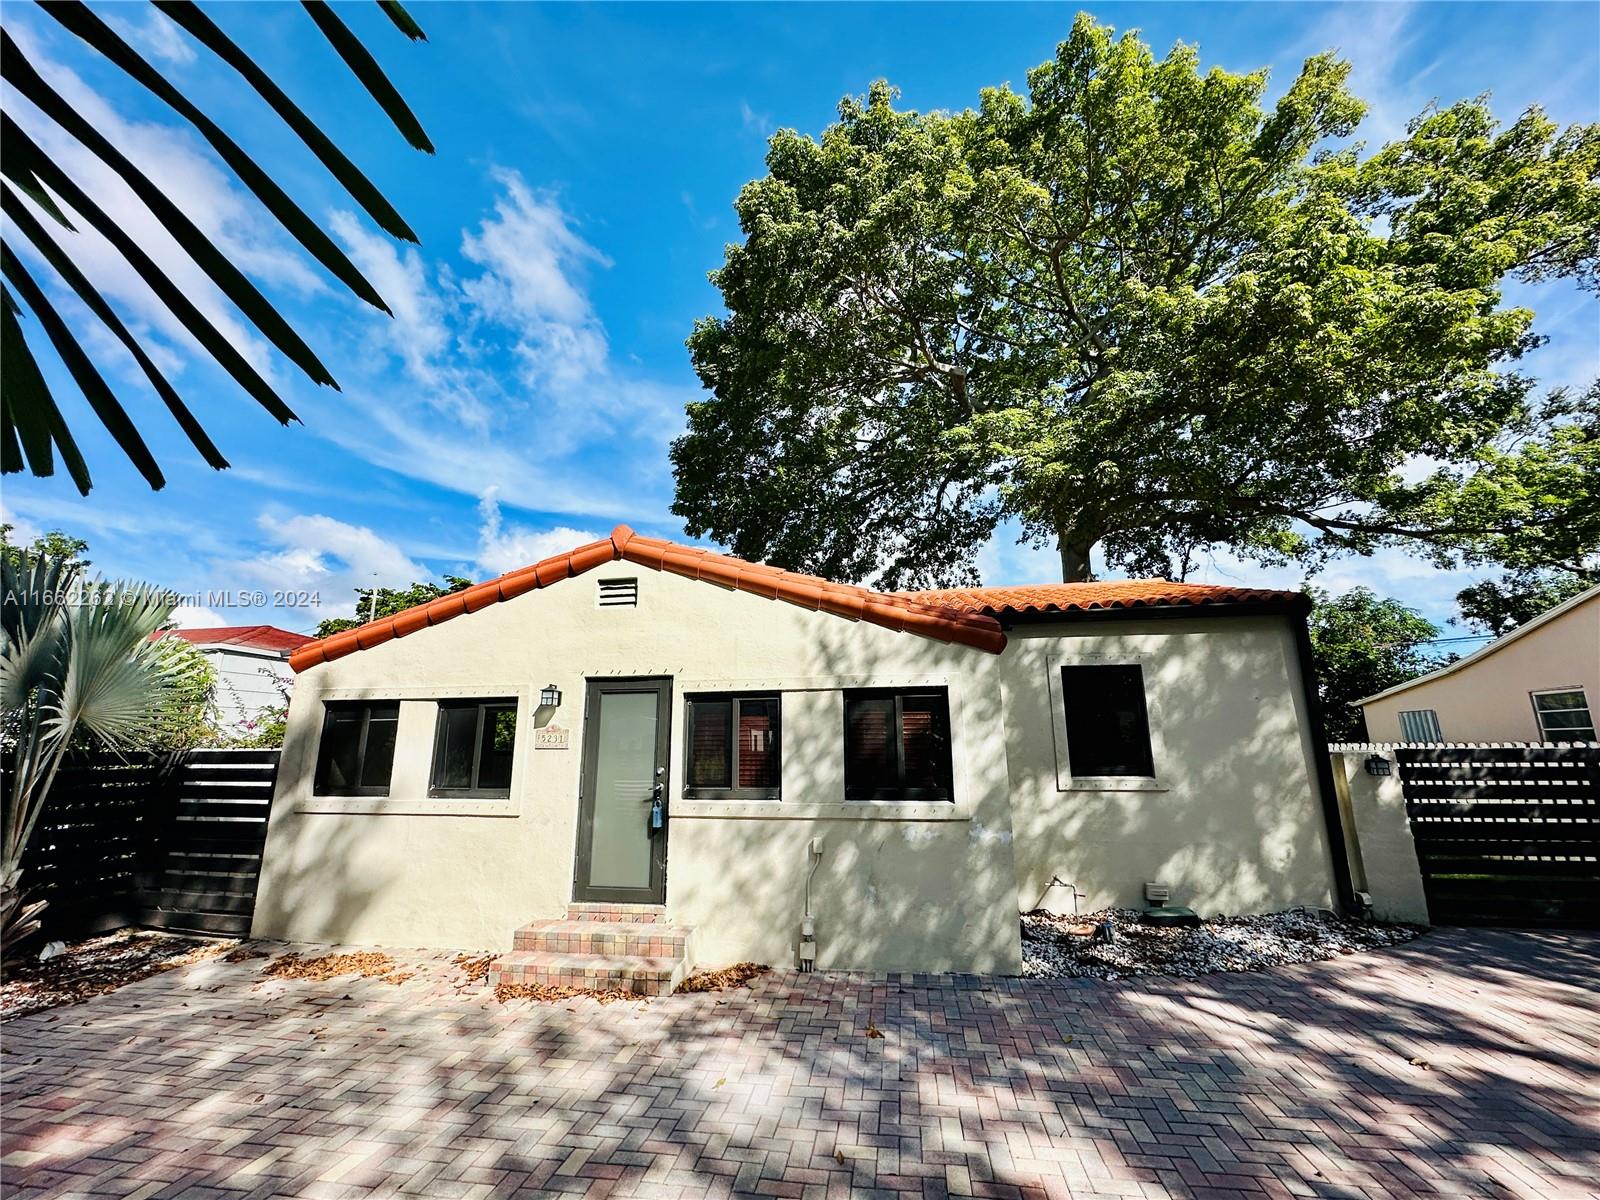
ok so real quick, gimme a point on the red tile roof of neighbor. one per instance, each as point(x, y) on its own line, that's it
point(964, 616)
point(253, 637)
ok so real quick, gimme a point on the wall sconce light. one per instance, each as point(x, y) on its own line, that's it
point(550, 696)
point(1377, 764)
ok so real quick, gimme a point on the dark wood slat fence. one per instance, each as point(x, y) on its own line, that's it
point(170, 841)
point(1506, 835)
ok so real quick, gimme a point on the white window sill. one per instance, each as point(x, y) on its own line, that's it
point(419, 806)
point(854, 810)
point(1114, 783)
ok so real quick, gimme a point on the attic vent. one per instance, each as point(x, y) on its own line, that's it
point(619, 593)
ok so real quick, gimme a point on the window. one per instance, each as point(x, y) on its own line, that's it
point(1564, 716)
point(1420, 725)
point(1108, 726)
point(734, 748)
point(897, 745)
point(356, 755)
point(472, 748)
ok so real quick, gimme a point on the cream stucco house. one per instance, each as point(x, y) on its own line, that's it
point(1538, 683)
point(670, 739)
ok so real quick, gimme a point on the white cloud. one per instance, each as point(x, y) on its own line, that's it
point(503, 547)
point(1375, 38)
point(156, 35)
point(753, 121)
point(533, 262)
point(189, 616)
point(325, 557)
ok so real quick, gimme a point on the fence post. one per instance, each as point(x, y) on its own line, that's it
point(1381, 836)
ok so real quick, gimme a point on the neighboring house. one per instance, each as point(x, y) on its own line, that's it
point(916, 766)
point(252, 665)
point(1538, 683)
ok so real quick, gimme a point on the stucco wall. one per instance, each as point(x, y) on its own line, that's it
point(927, 887)
point(924, 886)
point(1231, 822)
point(1489, 700)
point(1383, 852)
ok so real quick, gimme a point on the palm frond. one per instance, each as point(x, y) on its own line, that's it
point(19, 72)
point(33, 630)
point(33, 429)
point(117, 680)
point(403, 21)
point(362, 190)
point(46, 246)
point(21, 153)
point(100, 398)
point(30, 408)
point(76, 17)
point(367, 70)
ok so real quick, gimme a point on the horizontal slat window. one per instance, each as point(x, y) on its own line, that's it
point(897, 745)
point(734, 747)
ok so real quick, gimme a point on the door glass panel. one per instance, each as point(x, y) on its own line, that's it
point(625, 772)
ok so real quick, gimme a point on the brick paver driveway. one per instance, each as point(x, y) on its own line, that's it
point(1467, 1063)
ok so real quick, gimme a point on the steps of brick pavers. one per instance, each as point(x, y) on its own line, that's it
point(636, 913)
point(647, 939)
point(642, 975)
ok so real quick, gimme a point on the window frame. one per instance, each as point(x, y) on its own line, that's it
point(1144, 778)
point(473, 792)
point(901, 794)
point(1432, 716)
point(330, 708)
point(733, 791)
point(1539, 713)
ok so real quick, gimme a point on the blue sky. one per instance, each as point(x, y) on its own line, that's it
point(523, 398)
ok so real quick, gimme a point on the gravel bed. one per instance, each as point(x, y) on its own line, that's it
point(1067, 947)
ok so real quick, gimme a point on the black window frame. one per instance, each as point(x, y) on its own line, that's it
point(473, 791)
point(858, 793)
point(733, 791)
point(1067, 689)
point(330, 710)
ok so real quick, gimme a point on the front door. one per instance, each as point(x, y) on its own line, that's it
point(621, 859)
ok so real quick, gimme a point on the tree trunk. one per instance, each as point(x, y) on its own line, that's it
point(1074, 557)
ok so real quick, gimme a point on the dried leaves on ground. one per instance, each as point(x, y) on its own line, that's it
point(736, 976)
point(98, 965)
point(549, 992)
point(474, 966)
point(1058, 946)
point(367, 963)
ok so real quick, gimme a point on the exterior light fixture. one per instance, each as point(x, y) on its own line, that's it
point(550, 696)
point(1377, 764)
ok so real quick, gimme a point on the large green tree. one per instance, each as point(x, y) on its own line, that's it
point(1364, 643)
point(1140, 311)
point(45, 205)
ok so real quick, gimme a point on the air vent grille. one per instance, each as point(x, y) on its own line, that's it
point(619, 593)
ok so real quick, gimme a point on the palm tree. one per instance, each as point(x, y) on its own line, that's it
point(76, 665)
point(42, 203)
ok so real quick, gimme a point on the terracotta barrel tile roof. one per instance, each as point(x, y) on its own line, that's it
point(949, 623)
point(1087, 597)
point(967, 616)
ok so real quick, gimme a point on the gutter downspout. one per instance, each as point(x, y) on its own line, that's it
point(1326, 792)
